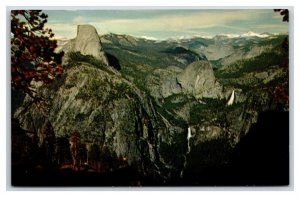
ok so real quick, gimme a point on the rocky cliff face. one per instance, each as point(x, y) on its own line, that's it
point(198, 79)
point(163, 82)
point(87, 42)
point(112, 116)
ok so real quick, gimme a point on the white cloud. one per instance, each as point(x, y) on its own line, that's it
point(183, 23)
point(173, 23)
point(63, 29)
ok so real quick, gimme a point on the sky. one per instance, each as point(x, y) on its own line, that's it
point(167, 23)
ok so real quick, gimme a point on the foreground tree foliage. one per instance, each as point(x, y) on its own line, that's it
point(281, 91)
point(32, 51)
point(284, 13)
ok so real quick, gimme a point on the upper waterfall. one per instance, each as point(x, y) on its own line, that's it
point(231, 100)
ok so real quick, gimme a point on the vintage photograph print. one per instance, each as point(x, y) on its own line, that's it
point(150, 97)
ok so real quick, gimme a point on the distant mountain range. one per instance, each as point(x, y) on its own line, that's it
point(187, 37)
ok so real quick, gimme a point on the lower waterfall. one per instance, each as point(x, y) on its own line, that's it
point(189, 136)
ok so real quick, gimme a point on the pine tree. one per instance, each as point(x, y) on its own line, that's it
point(32, 51)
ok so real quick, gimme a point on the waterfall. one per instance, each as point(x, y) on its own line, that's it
point(189, 136)
point(231, 100)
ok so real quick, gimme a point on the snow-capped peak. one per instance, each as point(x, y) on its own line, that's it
point(245, 35)
point(231, 35)
point(149, 38)
point(180, 37)
point(253, 34)
point(188, 37)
